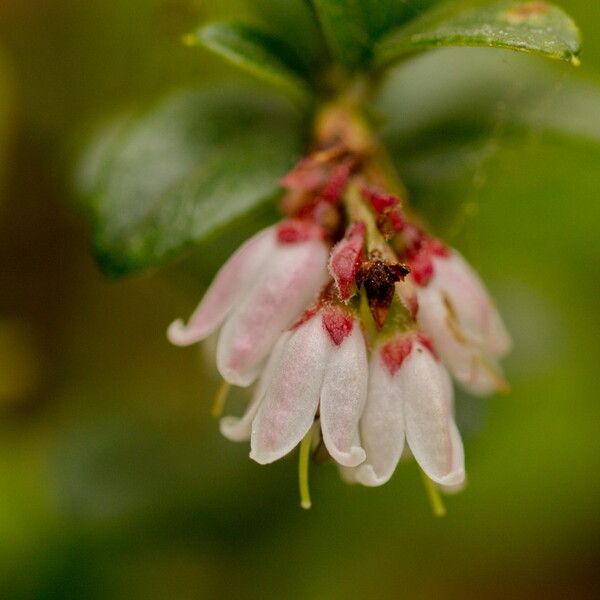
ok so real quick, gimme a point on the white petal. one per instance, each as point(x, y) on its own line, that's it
point(474, 371)
point(429, 423)
point(343, 398)
point(458, 457)
point(289, 282)
point(499, 340)
point(435, 319)
point(382, 425)
point(476, 313)
point(455, 278)
point(288, 409)
point(227, 287)
point(349, 475)
point(484, 377)
point(239, 429)
point(453, 489)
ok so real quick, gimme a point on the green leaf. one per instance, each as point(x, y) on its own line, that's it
point(345, 30)
point(294, 22)
point(383, 15)
point(351, 27)
point(201, 159)
point(535, 27)
point(257, 52)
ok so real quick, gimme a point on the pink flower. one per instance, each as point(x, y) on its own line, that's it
point(256, 296)
point(457, 313)
point(317, 367)
point(361, 375)
point(409, 399)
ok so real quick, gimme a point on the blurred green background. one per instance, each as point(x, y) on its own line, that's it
point(114, 480)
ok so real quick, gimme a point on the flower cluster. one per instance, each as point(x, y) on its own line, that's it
point(348, 316)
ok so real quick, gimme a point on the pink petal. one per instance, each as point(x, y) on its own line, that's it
point(343, 398)
point(288, 408)
point(289, 282)
point(227, 287)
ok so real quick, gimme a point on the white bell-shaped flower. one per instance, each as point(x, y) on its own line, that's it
point(256, 296)
point(457, 313)
point(409, 400)
point(320, 366)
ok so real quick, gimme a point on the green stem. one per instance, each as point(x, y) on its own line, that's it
point(303, 470)
point(433, 493)
point(219, 400)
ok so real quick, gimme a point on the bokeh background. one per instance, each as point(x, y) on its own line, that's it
point(114, 480)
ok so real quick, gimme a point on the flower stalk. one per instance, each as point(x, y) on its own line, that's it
point(219, 399)
point(433, 495)
point(303, 464)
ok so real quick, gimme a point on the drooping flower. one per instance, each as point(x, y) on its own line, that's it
point(409, 403)
point(457, 313)
point(319, 366)
point(361, 372)
point(256, 295)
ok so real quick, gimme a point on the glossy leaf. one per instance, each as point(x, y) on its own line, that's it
point(257, 52)
point(535, 27)
point(192, 165)
point(351, 27)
